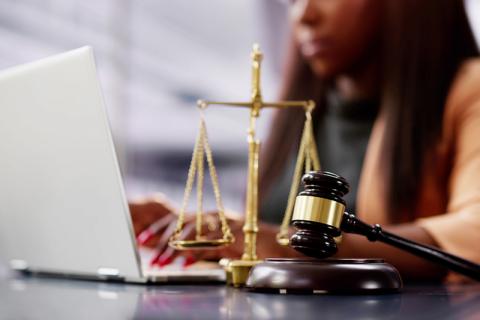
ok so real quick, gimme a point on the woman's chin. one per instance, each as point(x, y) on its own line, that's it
point(323, 70)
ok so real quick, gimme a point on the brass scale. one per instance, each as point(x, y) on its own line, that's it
point(307, 159)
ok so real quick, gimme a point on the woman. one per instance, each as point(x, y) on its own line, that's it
point(397, 85)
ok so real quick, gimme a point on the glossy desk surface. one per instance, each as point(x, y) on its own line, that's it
point(42, 298)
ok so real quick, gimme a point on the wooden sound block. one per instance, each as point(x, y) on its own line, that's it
point(333, 276)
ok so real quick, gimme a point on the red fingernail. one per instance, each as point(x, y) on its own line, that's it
point(144, 236)
point(155, 259)
point(189, 260)
point(163, 261)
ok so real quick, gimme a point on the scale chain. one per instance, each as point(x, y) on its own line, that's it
point(197, 168)
point(200, 179)
point(307, 156)
point(188, 187)
point(227, 235)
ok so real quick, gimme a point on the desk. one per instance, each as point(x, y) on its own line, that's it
point(42, 298)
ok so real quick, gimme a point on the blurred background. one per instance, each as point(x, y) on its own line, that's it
point(155, 58)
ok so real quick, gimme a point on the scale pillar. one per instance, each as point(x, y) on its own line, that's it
point(239, 269)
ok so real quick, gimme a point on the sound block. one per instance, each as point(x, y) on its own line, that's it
point(331, 276)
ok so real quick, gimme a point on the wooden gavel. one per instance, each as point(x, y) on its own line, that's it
point(319, 216)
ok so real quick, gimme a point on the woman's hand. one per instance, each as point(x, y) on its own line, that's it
point(150, 212)
point(158, 213)
point(267, 245)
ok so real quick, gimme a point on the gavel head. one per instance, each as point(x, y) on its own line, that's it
point(318, 214)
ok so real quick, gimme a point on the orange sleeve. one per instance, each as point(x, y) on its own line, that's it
point(458, 230)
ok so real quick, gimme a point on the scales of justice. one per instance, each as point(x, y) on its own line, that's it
point(307, 159)
point(317, 213)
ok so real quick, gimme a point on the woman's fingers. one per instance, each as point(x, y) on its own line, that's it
point(162, 244)
point(154, 229)
point(166, 257)
point(166, 254)
point(146, 211)
point(161, 254)
point(211, 230)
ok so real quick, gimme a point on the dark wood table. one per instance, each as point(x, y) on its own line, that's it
point(24, 297)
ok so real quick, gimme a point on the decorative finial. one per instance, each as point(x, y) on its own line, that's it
point(256, 87)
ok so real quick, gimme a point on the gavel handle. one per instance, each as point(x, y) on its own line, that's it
point(351, 224)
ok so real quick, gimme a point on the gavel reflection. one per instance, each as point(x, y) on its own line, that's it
point(319, 216)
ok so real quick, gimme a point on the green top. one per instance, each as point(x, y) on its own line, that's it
point(342, 137)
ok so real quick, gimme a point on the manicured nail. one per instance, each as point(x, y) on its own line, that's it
point(155, 258)
point(189, 260)
point(164, 260)
point(144, 236)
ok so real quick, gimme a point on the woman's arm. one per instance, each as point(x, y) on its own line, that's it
point(410, 266)
point(456, 231)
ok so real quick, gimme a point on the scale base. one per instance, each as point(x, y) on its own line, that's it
point(237, 271)
point(331, 276)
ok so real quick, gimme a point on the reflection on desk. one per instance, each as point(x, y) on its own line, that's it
point(42, 298)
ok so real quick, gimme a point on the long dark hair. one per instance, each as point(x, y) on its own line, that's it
point(423, 45)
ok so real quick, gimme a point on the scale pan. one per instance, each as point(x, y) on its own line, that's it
point(199, 244)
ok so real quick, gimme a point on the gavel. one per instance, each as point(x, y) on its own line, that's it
point(319, 217)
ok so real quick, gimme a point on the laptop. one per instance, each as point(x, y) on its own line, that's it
point(63, 209)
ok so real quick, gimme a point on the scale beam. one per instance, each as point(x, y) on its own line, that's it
point(203, 104)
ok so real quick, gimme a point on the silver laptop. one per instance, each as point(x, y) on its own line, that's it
point(63, 209)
